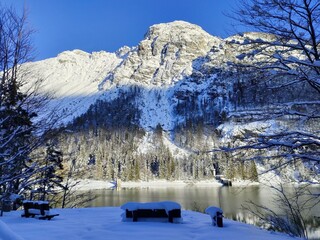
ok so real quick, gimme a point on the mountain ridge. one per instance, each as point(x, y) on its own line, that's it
point(174, 61)
point(155, 62)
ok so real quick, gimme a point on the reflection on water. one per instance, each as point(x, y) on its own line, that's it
point(230, 199)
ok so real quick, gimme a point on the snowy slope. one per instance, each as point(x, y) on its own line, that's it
point(72, 80)
point(105, 223)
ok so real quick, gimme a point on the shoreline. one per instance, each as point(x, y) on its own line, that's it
point(90, 184)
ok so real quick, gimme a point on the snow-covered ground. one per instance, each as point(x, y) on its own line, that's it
point(106, 223)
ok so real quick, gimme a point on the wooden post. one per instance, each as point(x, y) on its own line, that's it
point(135, 216)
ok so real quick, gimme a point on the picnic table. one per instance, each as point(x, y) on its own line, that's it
point(167, 210)
point(37, 208)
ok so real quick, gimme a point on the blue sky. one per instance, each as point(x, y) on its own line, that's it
point(94, 25)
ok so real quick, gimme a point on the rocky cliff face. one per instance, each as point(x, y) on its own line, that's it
point(166, 55)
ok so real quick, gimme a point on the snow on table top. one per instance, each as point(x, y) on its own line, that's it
point(38, 202)
point(167, 205)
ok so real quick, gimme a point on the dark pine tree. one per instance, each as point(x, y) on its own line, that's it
point(50, 181)
point(15, 120)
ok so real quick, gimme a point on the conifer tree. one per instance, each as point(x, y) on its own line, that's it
point(252, 172)
point(15, 119)
point(50, 180)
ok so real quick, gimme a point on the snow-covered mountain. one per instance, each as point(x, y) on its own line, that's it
point(164, 64)
point(178, 77)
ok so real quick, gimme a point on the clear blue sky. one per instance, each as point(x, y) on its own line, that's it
point(94, 25)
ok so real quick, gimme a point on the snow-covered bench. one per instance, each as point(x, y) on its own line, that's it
point(216, 215)
point(152, 210)
point(37, 208)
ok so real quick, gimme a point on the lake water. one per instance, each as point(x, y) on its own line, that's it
point(230, 199)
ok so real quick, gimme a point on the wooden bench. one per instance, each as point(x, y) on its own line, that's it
point(37, 208)
point(152, 210)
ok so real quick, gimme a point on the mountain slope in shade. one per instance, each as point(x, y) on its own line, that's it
point(71, 80)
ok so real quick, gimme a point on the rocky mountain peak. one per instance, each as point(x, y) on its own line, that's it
point(176, 30)
point(185, 37)
point(166, 54)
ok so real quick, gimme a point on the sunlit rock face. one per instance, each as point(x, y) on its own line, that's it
point(166, 54)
